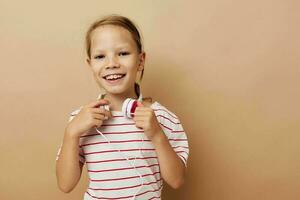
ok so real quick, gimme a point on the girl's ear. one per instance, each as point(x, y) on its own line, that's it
point(142, 58)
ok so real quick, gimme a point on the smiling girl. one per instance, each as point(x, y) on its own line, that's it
point(127, 157)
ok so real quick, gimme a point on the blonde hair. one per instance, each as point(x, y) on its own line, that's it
point(121, 21)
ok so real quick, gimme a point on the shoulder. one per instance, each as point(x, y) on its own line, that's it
point(162, 111)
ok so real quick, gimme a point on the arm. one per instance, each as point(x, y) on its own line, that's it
point(68, 167)
point(171, 166)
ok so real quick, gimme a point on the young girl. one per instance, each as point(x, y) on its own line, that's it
point(128, 152)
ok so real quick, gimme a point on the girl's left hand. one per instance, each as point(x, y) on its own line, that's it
point(144, 118)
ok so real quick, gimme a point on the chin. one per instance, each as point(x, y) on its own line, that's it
point(115, 90)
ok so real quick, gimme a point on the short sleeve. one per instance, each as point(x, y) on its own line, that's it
point(81, 154)
point(173, 129)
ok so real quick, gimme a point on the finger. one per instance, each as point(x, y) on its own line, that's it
point(143, 108)
point(142, 112)
point(99, 110)
point(103, 112)
point(98, 103)
point(109, 114)
point(139, 111)
point(139, 125)
point(138, 114)
point(139, 119)
point(99, 116)
point(97, 123)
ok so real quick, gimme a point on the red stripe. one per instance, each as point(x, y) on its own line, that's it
point(182, 158)
point(124, 197)
point(123, 188)
point(112, 133)
point(119, 132)
point(166, 127)
point(122, 159)
point(185, 147)
point(154, 198)
point(81, 155)
point(124, 178)
point(122, 150)
point(177, 139)
point(150, 191)
point(119, 169)
point(168, 119)
point(182, 152)
point(166, 112)
point(115, 116)
point(89, 135)
point(182, 131)
point(116, 141)
point(118, 124)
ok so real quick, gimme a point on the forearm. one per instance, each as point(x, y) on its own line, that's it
point(171, 166)
point(68, 169)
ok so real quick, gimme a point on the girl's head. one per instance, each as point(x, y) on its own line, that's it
point(115, 54)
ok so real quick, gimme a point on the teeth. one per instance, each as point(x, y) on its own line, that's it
point(113, 76)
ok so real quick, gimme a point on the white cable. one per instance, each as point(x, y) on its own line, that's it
point(101, 96)
point(132, 165)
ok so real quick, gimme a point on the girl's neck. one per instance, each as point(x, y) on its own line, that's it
point(116, 100)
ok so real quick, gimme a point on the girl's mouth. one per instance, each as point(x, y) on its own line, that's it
point(114, 78)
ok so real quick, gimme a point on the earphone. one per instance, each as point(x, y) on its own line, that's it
point(128, 109)
point(128, 106)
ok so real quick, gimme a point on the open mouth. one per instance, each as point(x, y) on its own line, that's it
point(113, 77)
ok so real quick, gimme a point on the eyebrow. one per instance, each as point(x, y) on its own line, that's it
point(118, 48)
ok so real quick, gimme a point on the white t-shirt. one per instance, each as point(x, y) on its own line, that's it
point(123, 163)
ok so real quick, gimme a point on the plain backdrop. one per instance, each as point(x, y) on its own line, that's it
point(229, 69)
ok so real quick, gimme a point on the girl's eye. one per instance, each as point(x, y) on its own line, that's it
point(124, 53)
point(99, 57)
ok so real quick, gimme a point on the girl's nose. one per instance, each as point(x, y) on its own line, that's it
point(113, 62)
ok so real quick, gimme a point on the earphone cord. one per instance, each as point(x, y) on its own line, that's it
point(140, 99)
point(133, 165)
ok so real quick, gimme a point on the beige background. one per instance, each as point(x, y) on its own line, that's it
point(229, 69)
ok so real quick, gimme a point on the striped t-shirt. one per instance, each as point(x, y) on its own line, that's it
point(123, 164)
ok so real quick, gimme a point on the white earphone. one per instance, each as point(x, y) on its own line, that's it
point(128, 107)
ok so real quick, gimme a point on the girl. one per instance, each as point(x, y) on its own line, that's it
point(128, 153)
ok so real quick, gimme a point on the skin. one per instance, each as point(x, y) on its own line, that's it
point(113, 50)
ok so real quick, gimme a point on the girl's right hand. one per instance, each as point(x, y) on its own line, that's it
point(90, 116)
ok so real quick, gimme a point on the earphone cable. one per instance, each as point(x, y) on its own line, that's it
point(128, 160)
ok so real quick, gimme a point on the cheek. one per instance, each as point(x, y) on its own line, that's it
point(96, 67)
point(132, 66)
point(128, 62)
point(131, 60)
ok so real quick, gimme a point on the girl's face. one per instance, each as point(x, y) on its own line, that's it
point(115, 59)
